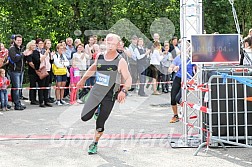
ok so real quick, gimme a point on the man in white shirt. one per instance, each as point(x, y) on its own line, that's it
point(142, 64)
point(133, 61)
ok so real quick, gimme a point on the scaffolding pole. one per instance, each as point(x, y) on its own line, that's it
point(190, 24)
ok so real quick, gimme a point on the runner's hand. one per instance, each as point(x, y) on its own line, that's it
point(80, 84)
point(121, 97)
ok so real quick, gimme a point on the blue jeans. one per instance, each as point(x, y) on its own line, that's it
point(21, 81)
point(90, 81)
point(4, 98)
point(16, 80)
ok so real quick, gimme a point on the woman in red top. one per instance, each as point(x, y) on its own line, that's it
point(3, 55)
point(4, 83)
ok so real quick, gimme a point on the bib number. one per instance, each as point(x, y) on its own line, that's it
point(102, 79)
point(76, 73)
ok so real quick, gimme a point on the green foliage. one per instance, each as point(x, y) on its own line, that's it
point(58, 19)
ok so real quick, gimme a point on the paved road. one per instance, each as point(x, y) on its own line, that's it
point(136, 135)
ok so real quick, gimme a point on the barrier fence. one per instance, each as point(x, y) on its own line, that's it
point(231, 117)
point(227, 113)
point(223, 116)
point(69, 87)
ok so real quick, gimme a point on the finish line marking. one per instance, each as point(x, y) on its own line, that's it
point(89, 137)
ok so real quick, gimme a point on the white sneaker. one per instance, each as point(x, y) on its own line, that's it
point(58, 103)
point(1, 113)
point(79, 101)
point(63, 102)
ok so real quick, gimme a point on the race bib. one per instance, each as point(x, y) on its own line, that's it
point(102, 79)
point(76, 73)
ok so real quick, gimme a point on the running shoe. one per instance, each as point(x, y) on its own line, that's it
point(174, 119)
point(58, 103)
point(92, 149)
point(63, 102)
point(79, 101)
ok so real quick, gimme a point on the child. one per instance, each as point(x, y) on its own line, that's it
point(165, 64)
point(3, 55)
point(74, 79)
point(4, 83)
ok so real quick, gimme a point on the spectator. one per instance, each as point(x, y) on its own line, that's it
point(16, 69)
point(174, 50)
point(80, 60)
point(102, 48)
point(133, 62)
point(76, 43)
point(156, 58)
point(4, 83)
point(250, 33)
point(40, 46)
point(142, 64)
point(3, 55)
point(165, 64)
point(89, 49)
point(64, 46)
point(95, 39)
point(156, 38)
point(248, 51)
point(49, 60)
point(74, 79)
point(60, 61)
point(31, 71)
point(96, 51)
point(12, 41)
point(176, 85)
point(36, 60)
point(69, 48)
point(43, 60)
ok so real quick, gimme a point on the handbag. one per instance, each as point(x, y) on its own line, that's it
point(58, 71)
point(42, 72)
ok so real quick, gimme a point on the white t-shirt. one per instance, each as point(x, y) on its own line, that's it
point(80, 60)
point(249, 52)
point(156, 57)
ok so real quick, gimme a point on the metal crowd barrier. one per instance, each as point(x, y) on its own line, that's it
point(230, 119)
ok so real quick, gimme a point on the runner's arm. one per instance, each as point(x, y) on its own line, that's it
point(89, 73)
point(123, 69)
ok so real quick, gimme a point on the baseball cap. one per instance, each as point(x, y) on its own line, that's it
point(13, 36)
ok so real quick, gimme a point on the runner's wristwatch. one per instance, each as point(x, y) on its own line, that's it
point(125, 91)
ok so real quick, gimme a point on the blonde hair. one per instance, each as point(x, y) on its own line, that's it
point(80, 44)
point(59, 45)
point(73, 61)
point(28, 46)
point(113, 36)
point(69, 39)
point(2, 70)
point(156, 44)
point(46, 40)
point(96, 46)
